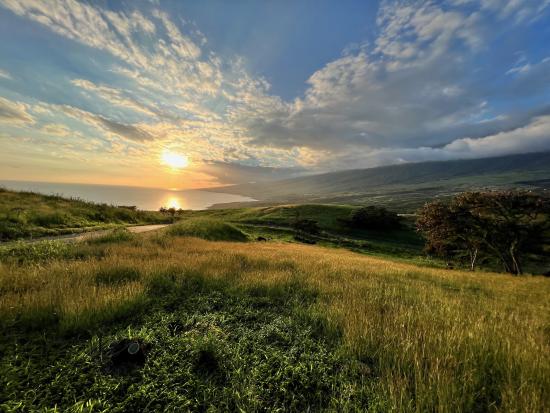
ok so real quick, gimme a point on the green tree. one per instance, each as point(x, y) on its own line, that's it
point(373, 217)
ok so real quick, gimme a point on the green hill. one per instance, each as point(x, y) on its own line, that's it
point(28, 214)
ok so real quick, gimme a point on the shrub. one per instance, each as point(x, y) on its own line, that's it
point(117, 235)
point(309, 226)
point(51, 219)
point(23, 252)
point(373, 217)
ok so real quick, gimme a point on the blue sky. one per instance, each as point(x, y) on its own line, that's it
point(101, 91)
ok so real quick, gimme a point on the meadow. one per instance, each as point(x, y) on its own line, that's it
point(238, 325)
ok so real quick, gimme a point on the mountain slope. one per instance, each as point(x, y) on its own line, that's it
point(418, 180)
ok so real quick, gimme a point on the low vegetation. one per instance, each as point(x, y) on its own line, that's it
point(27, 214)
point(273, 326)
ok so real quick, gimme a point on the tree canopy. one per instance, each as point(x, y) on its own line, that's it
point(504, 225)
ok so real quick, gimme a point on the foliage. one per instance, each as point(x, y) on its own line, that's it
point(114, 236)
point(308, 226)
point(374, 217)
point(207, 228)
point(502, 225)
point(22, 252)
point(171, 212)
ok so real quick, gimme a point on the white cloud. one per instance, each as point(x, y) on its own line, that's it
point(14, 113)
point(414, 89)
point(410, 94)
point(535, 136)
point(4, 74)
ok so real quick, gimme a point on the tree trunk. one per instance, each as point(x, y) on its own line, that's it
point(473, 257)
point(515, 261)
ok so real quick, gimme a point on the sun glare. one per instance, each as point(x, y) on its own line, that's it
point(175, 160)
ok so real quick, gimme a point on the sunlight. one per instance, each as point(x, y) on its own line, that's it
point(173, 202)
point(175, 160)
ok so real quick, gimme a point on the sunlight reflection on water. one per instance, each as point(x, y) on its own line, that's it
point(174, 202)
point(144, 198)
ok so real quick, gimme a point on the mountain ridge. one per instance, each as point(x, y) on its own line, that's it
point(421, 179)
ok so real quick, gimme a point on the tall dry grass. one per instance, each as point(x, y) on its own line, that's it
point(427, 339)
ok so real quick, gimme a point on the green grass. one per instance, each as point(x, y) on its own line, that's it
point(27, 214)
point(236, 326)
point(276, 224)
point(207, 228)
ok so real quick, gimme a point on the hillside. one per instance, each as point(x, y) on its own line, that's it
point(250, 326)
point(407, 186)
point(28, 214)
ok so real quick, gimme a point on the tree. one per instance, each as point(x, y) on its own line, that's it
point(171, 211)
point(373, 217)
point(450, 232)
point(307, 226)
point(506, 225)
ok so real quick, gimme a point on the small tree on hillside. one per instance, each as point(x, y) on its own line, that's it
point(505, 225)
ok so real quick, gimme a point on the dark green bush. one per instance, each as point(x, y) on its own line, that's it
point(50, 219)
point(375, 218)
point(308, 226)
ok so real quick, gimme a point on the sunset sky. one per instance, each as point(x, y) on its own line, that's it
point(193, 94)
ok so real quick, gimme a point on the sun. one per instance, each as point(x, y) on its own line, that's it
point(175, 160)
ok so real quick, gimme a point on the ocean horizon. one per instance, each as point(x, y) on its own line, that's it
point(148, 199)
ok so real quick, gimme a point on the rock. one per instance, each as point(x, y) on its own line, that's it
point(128, 353)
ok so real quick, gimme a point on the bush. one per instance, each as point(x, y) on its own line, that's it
point(52, 219)
point(373, 217)
point(23, 252)
point(308, 226)
point(117, 235)
point(207, 228)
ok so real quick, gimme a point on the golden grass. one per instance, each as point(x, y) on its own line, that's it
point(429, 339)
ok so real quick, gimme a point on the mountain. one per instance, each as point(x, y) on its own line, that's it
point(405, 186)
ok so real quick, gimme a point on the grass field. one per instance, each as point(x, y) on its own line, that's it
point(275, 223)
point(250, 326)
point(27, 214)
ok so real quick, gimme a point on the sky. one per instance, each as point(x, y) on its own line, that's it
point(194, 94)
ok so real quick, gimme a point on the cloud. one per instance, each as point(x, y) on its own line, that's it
point(421, 88)
point(56, 129)
point(114, 96)
point(14, 113)
point(533, 137)
point(4, 74)
point(137, 133)
point(419, 85)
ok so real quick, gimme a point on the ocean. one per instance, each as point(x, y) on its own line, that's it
point(150, 199)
